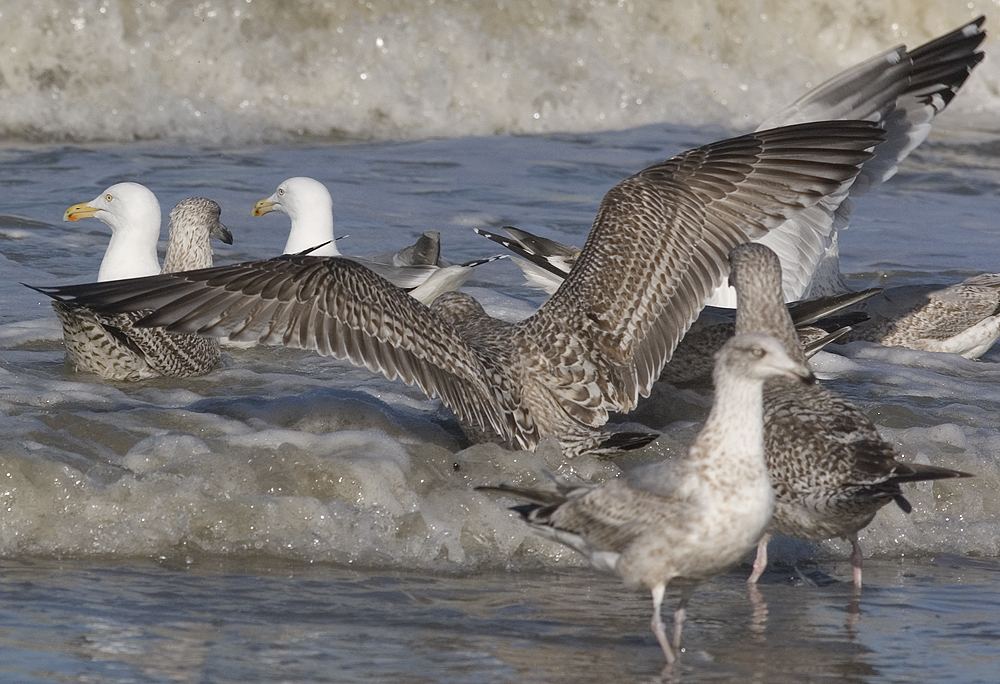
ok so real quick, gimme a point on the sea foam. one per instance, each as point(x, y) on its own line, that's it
point(249, 70)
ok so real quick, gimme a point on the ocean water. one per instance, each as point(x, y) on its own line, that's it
point(292, 518)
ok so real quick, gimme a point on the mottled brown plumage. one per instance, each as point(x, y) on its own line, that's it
point(830, 469)
point(658, 246)
point(113, 347)
point(680, 522)
point(960, 319)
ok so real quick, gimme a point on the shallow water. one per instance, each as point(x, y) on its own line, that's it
point(927, 620)
point(292, 518)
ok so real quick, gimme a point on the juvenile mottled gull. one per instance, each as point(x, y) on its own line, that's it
point(658, 247)
point(830, 469)
point(681, 522)
point(308, 204)
point(904, 90)
point(961, 319)
point(112, 346)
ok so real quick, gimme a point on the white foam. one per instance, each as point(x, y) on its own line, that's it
point(240, 71)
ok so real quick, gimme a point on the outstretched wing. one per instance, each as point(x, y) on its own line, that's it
point(330, 305)
point(903, 91)
point(659, 247)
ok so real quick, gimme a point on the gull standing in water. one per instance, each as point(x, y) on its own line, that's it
point(679, 523)
point(830, 468)
point(657, 249)
point(418, 268)
point(112, 346)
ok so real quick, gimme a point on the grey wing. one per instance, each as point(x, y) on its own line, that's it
point(545, 262)
point(610, 517)
point(330, 305)
point(659, 247)
point(902, 90)
point(426, 251)
point(407, 276)
point(905, 90)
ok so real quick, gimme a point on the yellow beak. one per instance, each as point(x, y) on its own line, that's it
point(79, 211)
point(265, 206)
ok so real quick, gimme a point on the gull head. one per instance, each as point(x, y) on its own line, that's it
point(132, 212)
point(123, 205)
point(759, 357)
point(296, 197)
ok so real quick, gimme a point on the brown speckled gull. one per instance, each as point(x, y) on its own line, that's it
point(680, 522)
point(113, 347)
point(657, 248)
point(830, 469)
point(961, 319)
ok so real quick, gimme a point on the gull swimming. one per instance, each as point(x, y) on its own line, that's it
point(112, 346)
point(961, 319)
point(680, 522)
point(830, 468)
point(132, 212)
point(657, 249)
point(308, 204)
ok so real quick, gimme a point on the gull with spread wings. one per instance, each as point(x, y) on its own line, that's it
point(657, 249)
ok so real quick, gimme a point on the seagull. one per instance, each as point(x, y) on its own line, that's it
point(113, 346)
point(961, 319)
point(657, 249)
point(680, 522)
point(132, 212)
point(308, 204)
point(830, 469)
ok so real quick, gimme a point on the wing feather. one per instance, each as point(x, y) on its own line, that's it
point(660, 242)
point(331, 305)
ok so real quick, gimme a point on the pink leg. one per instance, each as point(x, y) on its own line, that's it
point(760, 562)
point(659, 630)
point(679, 616)
point(856, 558)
